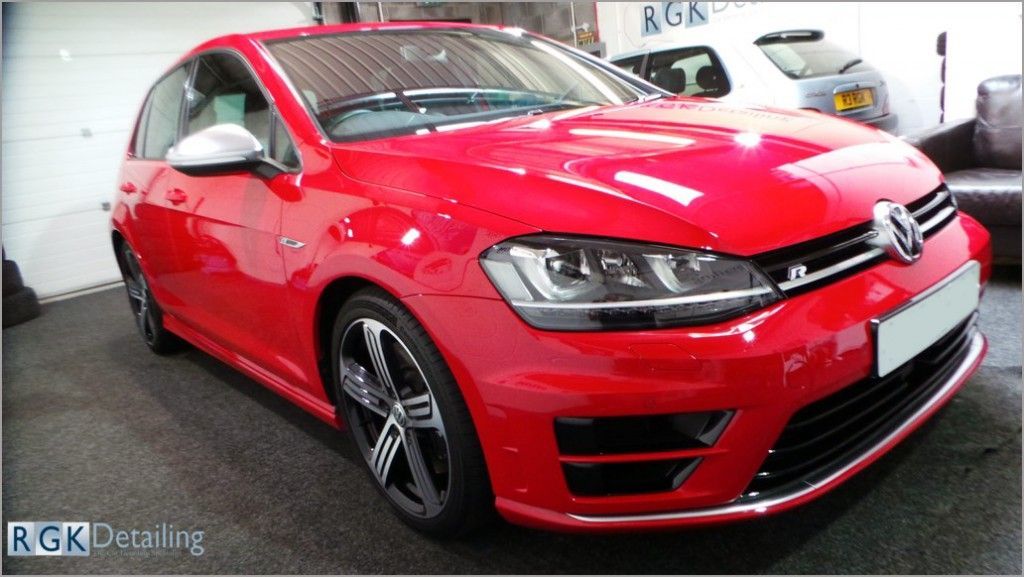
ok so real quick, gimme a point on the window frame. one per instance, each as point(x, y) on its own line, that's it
point(192, 65)
point(142, 123)
point(642, 61)
point(712, 56)
point(275, 113)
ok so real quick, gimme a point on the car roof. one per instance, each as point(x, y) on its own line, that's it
point(322, 30)
point(239, 40)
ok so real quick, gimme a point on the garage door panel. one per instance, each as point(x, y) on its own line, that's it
point(69, 76)
point(29, 209)
point(53, 153)
point(71, 128)
point(99, 118)
point(25, 162)
point(98, 28)
point(87, 177)
point(75, 75)
point(52, 257)
point(48, 66)
point(56, 95)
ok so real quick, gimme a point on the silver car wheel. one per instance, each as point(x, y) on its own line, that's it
point(394, 418)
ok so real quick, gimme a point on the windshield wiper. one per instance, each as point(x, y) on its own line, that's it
point(550, 107)
point(414, 108)
point(850, 65)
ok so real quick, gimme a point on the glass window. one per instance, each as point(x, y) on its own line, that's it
point(395, 82)
point(283, 150)
point(224, 92)
point(163, 109)
point(630, 65)
point(694, 71)
point(806, 54)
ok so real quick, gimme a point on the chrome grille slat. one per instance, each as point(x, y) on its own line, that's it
point(832, 270)
point(843, 253)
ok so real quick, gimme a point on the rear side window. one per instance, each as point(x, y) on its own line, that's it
point(631, 65)
point(160, 119)
point(808, 55)
point(693, 71)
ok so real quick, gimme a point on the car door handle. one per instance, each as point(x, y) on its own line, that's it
point(176, 196)
point(128, 187)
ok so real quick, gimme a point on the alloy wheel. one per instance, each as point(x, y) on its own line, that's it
point(139, 298)
point(395, 418)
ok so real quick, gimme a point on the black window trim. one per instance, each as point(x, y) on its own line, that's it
point(641, 59)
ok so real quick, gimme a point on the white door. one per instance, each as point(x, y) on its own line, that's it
point(74, 75)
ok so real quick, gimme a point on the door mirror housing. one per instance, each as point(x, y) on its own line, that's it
point(220, 149)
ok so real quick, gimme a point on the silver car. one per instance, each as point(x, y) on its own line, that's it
point(788, 69)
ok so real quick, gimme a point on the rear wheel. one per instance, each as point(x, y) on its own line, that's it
point(407, 417)
point(149, 319)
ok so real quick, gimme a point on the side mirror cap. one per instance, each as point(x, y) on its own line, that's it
point(219, 149)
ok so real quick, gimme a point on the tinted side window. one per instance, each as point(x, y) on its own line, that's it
point(631, 65)
point(163, 109)
point(694, 71)
point(224, 92)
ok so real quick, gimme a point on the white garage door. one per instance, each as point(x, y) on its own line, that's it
point(74, 75)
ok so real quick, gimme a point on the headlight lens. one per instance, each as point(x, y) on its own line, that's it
point(587, 284)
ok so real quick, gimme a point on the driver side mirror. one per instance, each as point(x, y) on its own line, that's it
point(220, 149)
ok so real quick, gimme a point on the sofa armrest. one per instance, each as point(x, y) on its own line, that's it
point(950, 146)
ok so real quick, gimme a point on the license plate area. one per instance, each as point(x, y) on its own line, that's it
point(854, 99)
point(907, 331)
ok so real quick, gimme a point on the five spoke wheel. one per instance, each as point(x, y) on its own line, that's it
point(394, 417)
point(149, 318)
point(139, 297)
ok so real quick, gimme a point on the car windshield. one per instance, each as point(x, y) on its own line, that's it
point(809, 55)
point(372, 84)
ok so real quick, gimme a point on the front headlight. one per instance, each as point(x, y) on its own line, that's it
point(577, 284)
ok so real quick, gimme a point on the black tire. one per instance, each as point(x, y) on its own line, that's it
point(20, 307)
point(468, 502)
point(12, 281)
point(149, 317)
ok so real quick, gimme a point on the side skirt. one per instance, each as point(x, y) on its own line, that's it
point(318, 408)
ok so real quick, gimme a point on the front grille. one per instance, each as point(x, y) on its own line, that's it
point(828, 434)
point(844, 253)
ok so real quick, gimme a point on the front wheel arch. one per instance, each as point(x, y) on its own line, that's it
point(332, 298)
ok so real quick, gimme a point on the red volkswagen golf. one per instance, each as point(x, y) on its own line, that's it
point(524, 280)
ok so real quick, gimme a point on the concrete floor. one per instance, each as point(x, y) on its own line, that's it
point(95, 428)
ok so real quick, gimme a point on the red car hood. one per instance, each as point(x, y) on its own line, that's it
point(685, 172)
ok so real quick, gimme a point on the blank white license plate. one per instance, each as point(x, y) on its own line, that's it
point(904, 333)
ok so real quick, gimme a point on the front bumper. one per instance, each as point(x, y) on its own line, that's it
point(765, 366)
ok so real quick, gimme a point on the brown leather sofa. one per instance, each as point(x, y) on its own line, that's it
point(981, 159)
